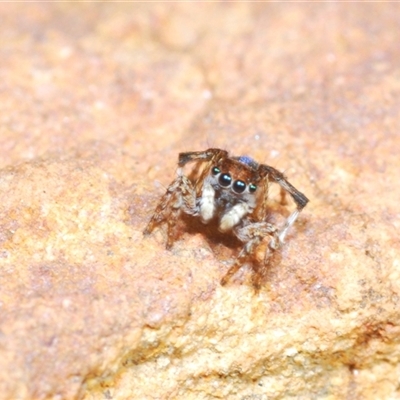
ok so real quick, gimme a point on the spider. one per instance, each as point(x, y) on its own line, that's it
point(233, 192)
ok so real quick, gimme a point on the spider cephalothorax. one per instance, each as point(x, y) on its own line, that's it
point(231, 190)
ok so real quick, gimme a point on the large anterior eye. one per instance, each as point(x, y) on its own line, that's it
point(215, 171)
point(225, 180)
point(239, 186)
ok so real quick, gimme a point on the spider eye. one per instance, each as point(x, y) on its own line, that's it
point(225, 180)
point(239, 186)
point(252, 188)
point(215, 171)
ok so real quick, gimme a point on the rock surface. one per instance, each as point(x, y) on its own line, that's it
point(97, 100)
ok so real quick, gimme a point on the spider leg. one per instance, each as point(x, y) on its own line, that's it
point(299, 198)
point(179, 197)
point(277, 176)
point(251, 234)
point(207, 155)
point(181, 194)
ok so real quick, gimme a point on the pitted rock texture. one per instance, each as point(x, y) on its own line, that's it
point(97, 100)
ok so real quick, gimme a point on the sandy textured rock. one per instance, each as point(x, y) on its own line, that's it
point(96, 102)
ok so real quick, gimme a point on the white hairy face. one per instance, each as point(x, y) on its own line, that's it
point(226, 198)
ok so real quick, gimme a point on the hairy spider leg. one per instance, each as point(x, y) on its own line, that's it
point(251, 235)
point(301, 201)
point(207, 155)
point(180, 196)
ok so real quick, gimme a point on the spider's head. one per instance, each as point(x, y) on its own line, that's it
point(232, 191)
point(238, 175)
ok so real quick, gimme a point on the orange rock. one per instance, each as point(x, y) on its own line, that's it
point(97, 100)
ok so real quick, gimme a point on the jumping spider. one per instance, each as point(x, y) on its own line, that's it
point(233, 191)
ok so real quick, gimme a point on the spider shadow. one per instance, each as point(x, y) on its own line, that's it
point(226, 246)
point(215, 239)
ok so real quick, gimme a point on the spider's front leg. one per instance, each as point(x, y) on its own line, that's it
point(251, 234)
point(207, 155)
point(299, 198)
point(179, 197)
